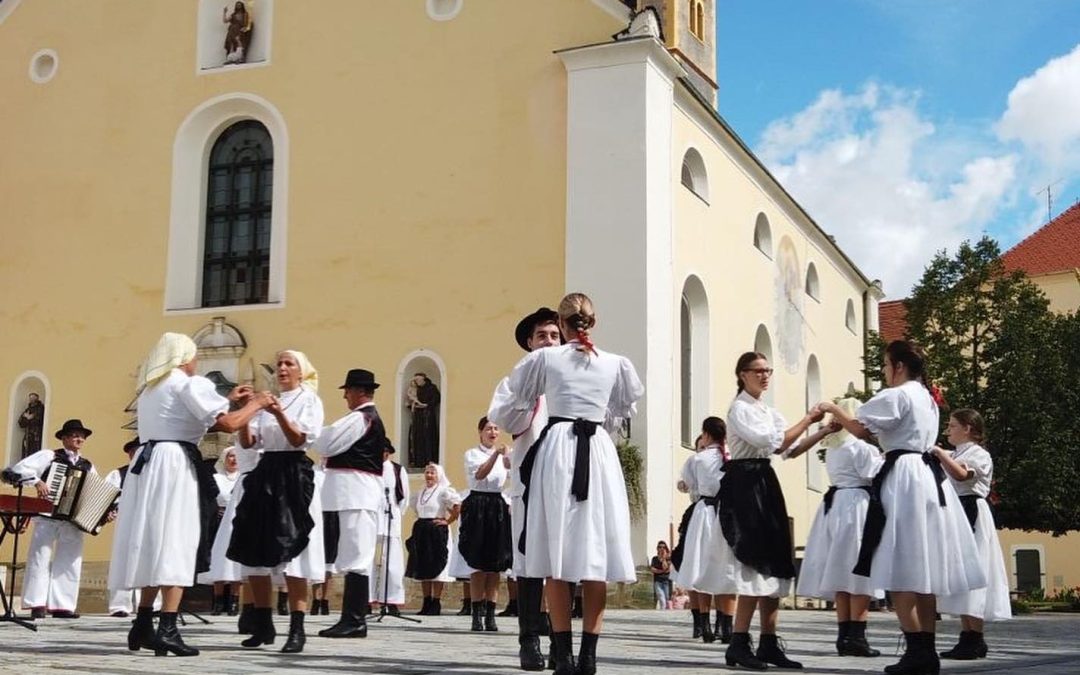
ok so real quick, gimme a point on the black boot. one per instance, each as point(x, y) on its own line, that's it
point(586, 661)
point(930, 660)
point(489, 617)
point(466, 607)
point(529, 654)
point(980, 644)
point(707, 635)
point(218, 608)
point(917, 660)
point(770, 651)
point(511, 608)
point(353, 622)
point(724, 630)
point(324, 607)
point(168, 638)
point(282, 603)
point(854, 643)
point(530, 621)
point(696, 615)
point(142, 630)
point(478, 608)
point(244, 624)
point(578, 611)
point(436, 607)
point(741, 653)
point(425, 609)
point(294, 644)
point(842, 629)
point(562, 648)
point(965, 649)
point(264, 633)
point(545, 623)
point(231, 602)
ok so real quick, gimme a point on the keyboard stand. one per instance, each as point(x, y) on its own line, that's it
point(14, 522)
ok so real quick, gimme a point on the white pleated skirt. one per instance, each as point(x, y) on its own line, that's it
point(990, 603)
point(157, 531)
point(703, 567)
point(571, 540)
point(925, 548)
point(457, 568)
point(310, 564)
point(832, 549)
point(221, 568)
point(517, 513)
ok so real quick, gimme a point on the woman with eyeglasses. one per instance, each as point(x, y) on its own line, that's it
point(756, 548)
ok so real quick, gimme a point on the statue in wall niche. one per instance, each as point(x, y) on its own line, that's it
point(240, 26)
point(422, 398)
point(30, 421)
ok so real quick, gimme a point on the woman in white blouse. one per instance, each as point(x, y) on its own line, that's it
point(971, 471)
point(917, 544)
point(437, 505)
point(576, 520)
point(227, 471)
point(278, 529)
point(756, 551)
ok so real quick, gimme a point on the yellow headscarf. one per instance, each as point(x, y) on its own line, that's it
point(309, 377)
point(171, 350)
point(850, 406)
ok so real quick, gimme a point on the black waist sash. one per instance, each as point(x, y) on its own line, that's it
point(754, 519)
point(874, 527)
point(208, 492)
point(579, 487)
point(831, 492)
point(971, 508)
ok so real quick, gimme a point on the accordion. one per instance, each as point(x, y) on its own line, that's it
point(81, 497)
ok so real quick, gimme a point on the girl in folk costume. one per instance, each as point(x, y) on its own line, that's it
point(836, 534)
point(577, 521)
point(155, 544)
point(278, 529)
point(485, 523)
point(756, 553)
point(226, 595)
point(437, 506)
point(971, 471)
point(917, 542)
point(686, 481)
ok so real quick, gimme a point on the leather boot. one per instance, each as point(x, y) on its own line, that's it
point(967, 649)
point(980, 644)
point(707, 635)
point(244, 625)
point(770, 651)
point(425, 607)
point(724, 630)
point(324, 607)
point(466, 607)
point(141, 634)
point(282, 603)
point(294, 644)
point(855, 643)
point(530, 593)
point(436, 607)
point(511, 608)
point(696, 615)
point(168, 638)
point(913, 661)
point(218, 608)
point(264, 633)
point(478, 608)
point(579, 609)
point(586, 661)
point(928, 650)
point(562, 648)
point(842, 628)
point(353, 622)
point(545, 623)
point(489, 617)
point(740, 653)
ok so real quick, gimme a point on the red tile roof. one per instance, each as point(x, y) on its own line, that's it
point(1054, 247)
point(892, 318)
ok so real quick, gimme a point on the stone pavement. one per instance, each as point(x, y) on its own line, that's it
point(634, 641)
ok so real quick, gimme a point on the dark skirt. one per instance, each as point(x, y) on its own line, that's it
point(485, 541)
point(684, 524)
point(272, 523)
point(428, 553)
point(331, 528)
point(754, 518)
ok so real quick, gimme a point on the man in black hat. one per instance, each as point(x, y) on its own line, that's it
point(54, 563)
point(353, 447)
point(536, 331)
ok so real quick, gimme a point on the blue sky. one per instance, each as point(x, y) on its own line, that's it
point(905, 127)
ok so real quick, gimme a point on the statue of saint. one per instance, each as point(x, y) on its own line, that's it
point(422, 399)
point(30, 421)
point(240, 25)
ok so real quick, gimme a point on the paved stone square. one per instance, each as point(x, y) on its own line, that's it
point(635, 641)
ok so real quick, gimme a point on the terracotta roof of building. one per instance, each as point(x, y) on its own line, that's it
point(1054, 247)
point(892, 320)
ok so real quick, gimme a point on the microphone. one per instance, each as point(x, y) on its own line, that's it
point(12, 478)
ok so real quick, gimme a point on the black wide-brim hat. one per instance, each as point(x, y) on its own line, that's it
point(72, 426)
point(360, 378)
point(527, 325)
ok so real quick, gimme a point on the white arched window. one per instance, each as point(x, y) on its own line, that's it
point(693, 358)
point(816, 477)
point(849, 316)
point(421, 404)
point(813, 285)
point(763, 235)
point(694, 176)
point(28, 423)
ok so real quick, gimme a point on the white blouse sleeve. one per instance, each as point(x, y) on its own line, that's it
point(339, 436)
point(474, 459)
point(34, 466)
point(309, 419)
point(979, 461)
point(867, 459)
point(526, 382)
point(689, 478)
point(501, 411)
point(113, 478)
point(885, 411)
point(760, 431)
point(627, 390)
point(202, 400)
point(449, 498)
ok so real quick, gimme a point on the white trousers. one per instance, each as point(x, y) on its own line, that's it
point(394, 587)
point(53, 566)
point(356, 541)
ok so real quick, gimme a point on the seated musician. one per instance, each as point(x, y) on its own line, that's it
point(54, 562)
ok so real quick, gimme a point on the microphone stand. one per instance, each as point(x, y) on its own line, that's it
point(383, 613)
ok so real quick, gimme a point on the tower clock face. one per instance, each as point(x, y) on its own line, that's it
point(788, 301)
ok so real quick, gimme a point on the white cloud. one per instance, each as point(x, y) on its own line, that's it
point(1044, 113)
point(870, 170)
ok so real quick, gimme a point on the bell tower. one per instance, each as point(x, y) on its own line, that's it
point(690, 35)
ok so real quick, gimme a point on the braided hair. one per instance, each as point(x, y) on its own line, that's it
point(578, 317)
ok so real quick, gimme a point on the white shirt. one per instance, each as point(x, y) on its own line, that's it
point(113, 479)
point(303, 408)
point(396, 507)
point(524, 425)
point(348, 489)
point(705, 472)
point(435, 502)
point(37, 464)
point(902, 418)
point(686, 475)
point(226, 483)
point(853, 464)
point(474, 459)
point(179, 408)
point(754, 430)
point(978, 460)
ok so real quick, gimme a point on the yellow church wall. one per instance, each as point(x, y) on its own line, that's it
point(1058, 556)
point(1062, 290)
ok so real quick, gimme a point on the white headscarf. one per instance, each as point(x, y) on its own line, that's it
point(850, 406)
point(219, 465)
point(309, 377)
point(172, 350)
point(440, 476)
